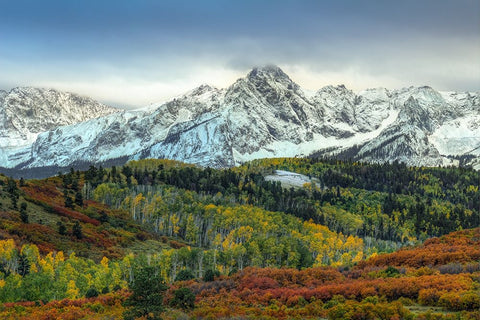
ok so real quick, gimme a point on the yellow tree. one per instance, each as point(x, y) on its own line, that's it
point(72, 290)
point(8, 254)
point(191, 231)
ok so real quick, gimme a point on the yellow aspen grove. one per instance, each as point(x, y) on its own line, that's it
point(72, 290)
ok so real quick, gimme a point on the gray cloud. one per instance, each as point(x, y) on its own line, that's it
point(135, 53)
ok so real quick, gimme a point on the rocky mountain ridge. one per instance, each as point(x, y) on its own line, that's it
point(266, 114)
point(26, 112)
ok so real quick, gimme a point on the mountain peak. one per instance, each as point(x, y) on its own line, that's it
point(32, 90)
point(28, 111)
point(264, 114)
point(202, 89)
point(335, 90)
point(267, 70)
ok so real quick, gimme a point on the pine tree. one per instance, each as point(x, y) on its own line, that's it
point(77, 230)
point(209, 275)
point(74, 184)
point(183, 298)
point(14, 199)
point(23, 212)
point(103, 217)
point(92, 292)
point(185, 274)
point(79, 199)
point(147, 294)
point(23, 265)
point(68, 202)
point(12, 189)
point(62, 230)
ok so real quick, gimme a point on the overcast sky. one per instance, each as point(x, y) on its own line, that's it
point(133, 53)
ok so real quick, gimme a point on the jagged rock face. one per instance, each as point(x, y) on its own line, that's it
point(26, 112)
point(264, 114)
point(264, 107)
point(419, 137)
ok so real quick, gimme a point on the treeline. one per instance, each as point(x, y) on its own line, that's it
point(379, 201)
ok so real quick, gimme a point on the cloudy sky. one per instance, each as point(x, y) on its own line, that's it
point(133, 53)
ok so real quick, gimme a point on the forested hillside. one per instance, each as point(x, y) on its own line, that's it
point(438, 280)
point(390, 202)
point(344, 240)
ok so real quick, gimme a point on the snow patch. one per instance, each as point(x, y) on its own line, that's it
point(457, 137)
point(288, 178)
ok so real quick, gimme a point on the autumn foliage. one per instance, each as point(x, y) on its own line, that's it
point(457, 247)
point(270, 252)
point(366, 291)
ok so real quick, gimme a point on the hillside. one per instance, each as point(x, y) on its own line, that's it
point(447, 289)
point(418, 288)
point(177, 200)
point(344, 244)
point(49, 223)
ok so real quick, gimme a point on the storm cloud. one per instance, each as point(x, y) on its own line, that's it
point(132, 53)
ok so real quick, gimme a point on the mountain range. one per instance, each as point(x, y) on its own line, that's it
point(264, 114)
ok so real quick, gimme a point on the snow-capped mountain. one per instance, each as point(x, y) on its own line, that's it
point(26, 112)
point(431, 129)
point(266, 114)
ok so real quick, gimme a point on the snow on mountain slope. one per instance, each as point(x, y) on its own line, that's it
point(26, 112)
point(458, 136)
point(3, 94)
point(266, 114)
point(203, 141)
point(121, 134)
point(430, 130)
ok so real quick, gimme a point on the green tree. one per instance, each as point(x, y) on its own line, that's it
point(13, 191)
point(12, 186)
point(391, 271)
point(14, 198)
point(183, 298)
point(185, 274)
point(68, 202)
point(147, 294)
point(103, 217)
point(79, 199)
point(75, 184)
point(23, 212)
point(92, 292)
point(209, 275)
point(77, 230)
point(62, 230)
point(23, 265)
